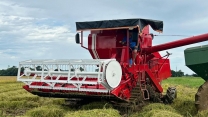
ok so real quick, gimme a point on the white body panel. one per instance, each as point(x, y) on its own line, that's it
point(106, 72)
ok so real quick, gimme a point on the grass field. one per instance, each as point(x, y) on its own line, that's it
point(15, 101)
point(191, 82)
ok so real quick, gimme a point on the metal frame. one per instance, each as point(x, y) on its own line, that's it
point(82, 41)
point(74, 78)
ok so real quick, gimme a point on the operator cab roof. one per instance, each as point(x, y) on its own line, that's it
point(120, 24)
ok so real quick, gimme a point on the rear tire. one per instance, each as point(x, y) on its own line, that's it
point(201, 97)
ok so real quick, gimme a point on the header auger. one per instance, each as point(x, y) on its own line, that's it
point(117, 71)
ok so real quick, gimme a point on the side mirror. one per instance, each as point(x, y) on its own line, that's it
point(152, 36)
point(77, 40)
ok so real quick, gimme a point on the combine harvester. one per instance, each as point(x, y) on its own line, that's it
point(110, 74)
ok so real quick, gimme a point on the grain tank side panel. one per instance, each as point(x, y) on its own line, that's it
point(196, 60)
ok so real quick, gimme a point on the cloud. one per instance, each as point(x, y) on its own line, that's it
point(46, 29)
point(26, 37)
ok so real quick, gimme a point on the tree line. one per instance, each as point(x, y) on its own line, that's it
point(180, 73)
point(12, 71)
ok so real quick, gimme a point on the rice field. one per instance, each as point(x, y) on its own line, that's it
point(15, 101)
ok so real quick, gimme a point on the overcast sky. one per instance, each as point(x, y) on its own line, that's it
point(45, 29)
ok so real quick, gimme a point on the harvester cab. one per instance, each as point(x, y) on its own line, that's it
point(109, 75)
point(114, 43)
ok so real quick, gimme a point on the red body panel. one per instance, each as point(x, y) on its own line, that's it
point(105, 44)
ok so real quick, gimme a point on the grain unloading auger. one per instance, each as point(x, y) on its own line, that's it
point(109, 74)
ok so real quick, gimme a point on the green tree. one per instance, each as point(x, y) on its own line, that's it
point(195, 75)
point(173, 73)
point(12, 71)
point(180, 73)
point(177, 73)
point(39, 68)
point(81, 69)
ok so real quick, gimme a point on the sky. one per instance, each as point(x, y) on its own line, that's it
point(45, 29)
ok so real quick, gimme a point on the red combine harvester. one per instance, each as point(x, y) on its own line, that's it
point(125, 65)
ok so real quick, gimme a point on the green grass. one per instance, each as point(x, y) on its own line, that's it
point(15, 101)
point(192, 82)
point(94, 113)
point(47, 111)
